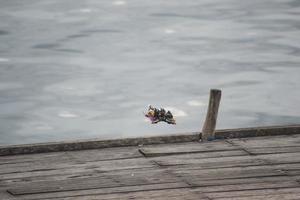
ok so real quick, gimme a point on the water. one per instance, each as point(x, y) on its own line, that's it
point(76, 69)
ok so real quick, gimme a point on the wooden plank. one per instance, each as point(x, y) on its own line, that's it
point(281, 158)
point(185, 148)
point(292, 172)
point(113, 179)
point(105, 154)
point(103, 191)
point(210, 161)
point(263, 142)
point(218, 177)
point(231, 160)
point(236, 175)
point(227, 173)
point(288, 196)
point(63, 185)
point(74, 156)
point(254, 193)
point(6, 196)
point(191, 158)
point(15, 159)
point(215, 165)
point(57, 174)
point(258, 131)
point(149, 175)
point(69, 164)
point(170, 194)
point(95, 144)
point(273, 150)
point(249, 186)
point(279, 166)
point(71, 174)
point(235, 181)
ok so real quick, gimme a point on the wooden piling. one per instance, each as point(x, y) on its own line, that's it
point(208, 130)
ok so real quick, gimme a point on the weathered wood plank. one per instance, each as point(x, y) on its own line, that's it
point(288, 196)
point(105, 154)
point(231, 160)
point(58, 174)
point(63, 185)
point(227, 173)
point(116, 179)
point(263, 142)
point(67, 173)
point(103, 191)
point(249, 186)
point(186, 159)
point(15, 159)
point(254, 193)
point(76, 156)
point(236, 175)
point(209, 162)
point(289, 170)
point(6, 196)
point(69, 164)
point(170, 194)
point(281, 158)
point(195, 169)
point(235, 181)
point(258, 131)
point(185, 148)
point(273, 150)
point(95, 144)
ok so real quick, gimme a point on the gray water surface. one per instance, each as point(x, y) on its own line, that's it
point(73, 69)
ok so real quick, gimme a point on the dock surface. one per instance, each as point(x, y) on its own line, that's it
point(258, 168)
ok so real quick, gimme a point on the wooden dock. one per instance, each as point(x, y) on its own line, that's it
point(259, 168)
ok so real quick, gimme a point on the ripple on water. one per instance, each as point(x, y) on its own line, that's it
point(46, 46)
point(78, 87)
point(119, 3)
point(4, 59)
point(10, 86)
point(3, 32)
point(67, 114)
point(176, 112)
point(196, 103)
point(85, 10)
point(169, 31)
point(43, 127)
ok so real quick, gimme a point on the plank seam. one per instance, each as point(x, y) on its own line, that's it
point(251, 189)
point(151, 155)
point(260, 195)
point(92, 188)
point(241, 148)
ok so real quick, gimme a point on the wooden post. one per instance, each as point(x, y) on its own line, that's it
point(208, 130)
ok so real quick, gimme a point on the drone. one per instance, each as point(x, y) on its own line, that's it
point(159, 115)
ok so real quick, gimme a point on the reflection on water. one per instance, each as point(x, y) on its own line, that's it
point(88, 69)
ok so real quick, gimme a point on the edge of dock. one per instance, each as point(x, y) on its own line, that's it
point(176, 138)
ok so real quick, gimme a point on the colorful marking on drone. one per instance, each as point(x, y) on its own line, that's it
point(159, 115)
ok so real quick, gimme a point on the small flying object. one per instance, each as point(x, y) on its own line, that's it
point(159, 115)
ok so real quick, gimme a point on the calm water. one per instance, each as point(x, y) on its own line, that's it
point(73, 69)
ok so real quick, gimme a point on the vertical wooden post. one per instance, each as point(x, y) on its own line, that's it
point(208, 130)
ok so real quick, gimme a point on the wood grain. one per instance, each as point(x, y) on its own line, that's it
point(239, 169)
